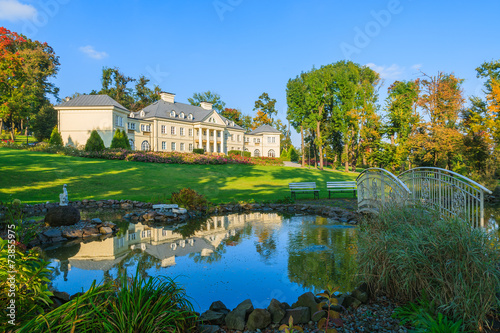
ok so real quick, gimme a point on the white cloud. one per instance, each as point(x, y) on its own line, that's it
point(13, 10)
point(416, 67)
point(392, 72)
point(91, 52)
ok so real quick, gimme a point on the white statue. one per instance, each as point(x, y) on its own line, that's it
point(63, 197)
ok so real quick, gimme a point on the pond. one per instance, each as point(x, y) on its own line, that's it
point(230, 258)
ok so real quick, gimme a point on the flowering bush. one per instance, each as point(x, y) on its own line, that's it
point(149, 156)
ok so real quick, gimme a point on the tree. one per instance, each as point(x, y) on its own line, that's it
point(266, 105)
point(120, 140)
point(297, 111)
point(55, 137)
point(44, 122)
point(209, 97)
point(246, 122)
point(234, 115)
point(94, 142)
point(143, 95)
point(114, 84)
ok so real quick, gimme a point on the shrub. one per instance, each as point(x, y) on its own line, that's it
point(408, 251)
point(284, 156)
point(190, 199)
point(94, 143)
point(55, 137)
point(239, 153)
point(199, 151)
point(292, 154)
point(120, 140)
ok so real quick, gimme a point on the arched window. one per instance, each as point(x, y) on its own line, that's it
point(271, 153)
point(256, 153)
point(145, 145)
point(131, 143)
point(190, 116)
point(142, 114)
point(181, 115)
point(172, 114)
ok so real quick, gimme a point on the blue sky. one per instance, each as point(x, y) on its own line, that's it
point(241, 48)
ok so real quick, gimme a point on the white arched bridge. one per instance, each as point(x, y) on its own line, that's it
point(448, 192)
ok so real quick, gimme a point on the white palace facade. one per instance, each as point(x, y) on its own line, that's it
point(165, 125)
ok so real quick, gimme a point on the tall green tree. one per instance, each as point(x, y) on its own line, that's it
point(114, 84)
point(210, 97)
point(297, 109)
point(44, 122)
point(143, 95)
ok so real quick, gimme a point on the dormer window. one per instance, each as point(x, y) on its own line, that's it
point(131, 115)
point(232, 123)
point(172, 114)
point(181, 115)
point(142, 113)
point(190, 116)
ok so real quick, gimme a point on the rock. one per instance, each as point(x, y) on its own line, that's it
point(350, 301)
point(308, 300)
point(300, 315)
point(235, 320)
point(53, 233)
point(63, 296)
point(58, 239)
point(72, 234)
point(360, 296)
point(218, 306)
point(126, 205)
point(105, 230)
point(90, 231)
point(277, 311)
point(209, 329)
point(62, 215)
point(213, 317)
point(96, 220)
point(259, 318)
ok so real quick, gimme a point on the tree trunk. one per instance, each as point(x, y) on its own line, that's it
point(1, 125)
point(392, 139)
point(346, 147)
point(302, 145)
point(320, 145)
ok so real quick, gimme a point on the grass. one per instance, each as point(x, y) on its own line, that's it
point(35, 177)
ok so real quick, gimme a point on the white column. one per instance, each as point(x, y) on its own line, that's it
point(200, 145)
point(215, 141)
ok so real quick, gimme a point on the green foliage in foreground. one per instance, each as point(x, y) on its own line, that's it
point(38, 177)
point(94, 142)
point(125, 305)
point(406, 252)
point(55, 137)
point(120, 140)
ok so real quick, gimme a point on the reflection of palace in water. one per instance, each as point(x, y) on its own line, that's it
point(165, 243)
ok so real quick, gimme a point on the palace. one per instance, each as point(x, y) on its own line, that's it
point(165, 125)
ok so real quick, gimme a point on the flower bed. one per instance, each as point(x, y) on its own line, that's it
point(149, 156)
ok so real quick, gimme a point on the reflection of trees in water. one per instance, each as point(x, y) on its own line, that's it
point(266, 242)
point(214, 256)
point(143, 260)
point(492, 217)
point(314, 269)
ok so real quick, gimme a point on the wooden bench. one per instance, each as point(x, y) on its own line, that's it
point(341, 187)
point(303, 187)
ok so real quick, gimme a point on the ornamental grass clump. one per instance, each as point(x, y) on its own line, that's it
point(407, 252)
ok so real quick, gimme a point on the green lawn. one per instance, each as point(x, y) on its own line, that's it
point(36, 177)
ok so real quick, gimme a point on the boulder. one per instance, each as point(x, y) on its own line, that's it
point(62, 215)
point(258, 319)
point(212, 317)
point(350, 301)
point(308, 300)
point(218, 306)
point(96, 220)
point(64, 296)
point(73, 234)
point(209, 329)
point(277, 311)
point(53, 233)
point(300, 315)
point(235, 320)
point(105, 230)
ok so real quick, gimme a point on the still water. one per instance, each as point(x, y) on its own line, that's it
point(229, 258)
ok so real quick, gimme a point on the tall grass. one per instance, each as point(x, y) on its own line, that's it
point(405, 252)
point(126, 305)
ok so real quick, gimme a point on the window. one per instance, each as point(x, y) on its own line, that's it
point(163, 129)
point(239, 138)
point(146, 233)
point(181, 115)
point(247, 139)
point(232, 148)
point(256, 153)
point(271, 139)
point(172, 114)
point(182, 147)
point(271, 153)
point(204, 132)
point(131, 126)
point(190, 147)
point(163, 145)
point(190, 132)
point(190, 116)
point(145, 145)
point(181, 131)
point(173, 146)
point(131, 236)
point(131, 143)
point(218, 134)
point(172, 130)
point(232, 137)
point(118, 121)
point(145, 128)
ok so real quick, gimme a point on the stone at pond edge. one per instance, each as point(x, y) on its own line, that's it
point(235, 320)
point(300, 315)
point(212, 317)
point(209, 329)
point(105, 230)
point(53, 233)
point(218, 306)
point(62, 215)
point(258, 319)
point(277, 311)
point(308, 300)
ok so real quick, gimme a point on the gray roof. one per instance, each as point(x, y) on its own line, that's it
point(162, 109)
point(92, 100)
point(264, 128)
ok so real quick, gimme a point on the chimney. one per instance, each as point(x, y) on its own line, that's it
point(67, 99)
point(167, 97)
point(206, 105)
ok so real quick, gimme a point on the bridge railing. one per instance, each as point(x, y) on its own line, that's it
point(378, 188)
point(450, 193)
